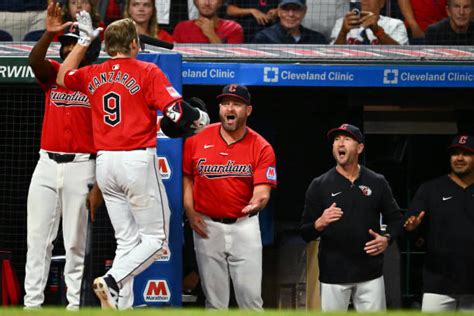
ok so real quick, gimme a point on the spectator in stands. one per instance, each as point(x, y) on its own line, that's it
point(289, 29)
point(253, 15)
point(169, 13)
point(322, 14)
point(208, 27)
point(143, 12)
point(369, 27)
point(457, 29)
point(71, 7)
point(110, 10)
point(419, 14)
point(442, 213)
point(21, 17)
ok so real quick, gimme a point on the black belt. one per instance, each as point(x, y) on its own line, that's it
point(63, 158)
point(229, 220)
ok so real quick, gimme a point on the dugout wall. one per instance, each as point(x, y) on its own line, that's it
point(409, 106)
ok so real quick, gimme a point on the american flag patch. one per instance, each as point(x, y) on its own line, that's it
point(173, 92)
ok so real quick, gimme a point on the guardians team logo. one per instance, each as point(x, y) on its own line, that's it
point(230, 169)
point(157, 291)
point(59, 98)
point(365, 190)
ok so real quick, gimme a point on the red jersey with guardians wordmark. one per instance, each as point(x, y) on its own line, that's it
point(125, 94)
point(225, 175)
point(67, 125)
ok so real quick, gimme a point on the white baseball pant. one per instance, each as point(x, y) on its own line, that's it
point(231, 251)
point(57, 190)
point(433, 302)
point(138, 208)
point(366, 296)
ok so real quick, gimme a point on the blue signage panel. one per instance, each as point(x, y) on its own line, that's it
point(161, 283)
point(307, 75)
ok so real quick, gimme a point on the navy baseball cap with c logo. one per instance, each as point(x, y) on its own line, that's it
point(235, 90)
point(465, 142)
point(351, 130)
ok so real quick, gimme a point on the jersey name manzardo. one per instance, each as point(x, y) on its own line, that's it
point(126, 80)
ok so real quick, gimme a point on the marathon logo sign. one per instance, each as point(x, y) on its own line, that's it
point(402, 77)
point(164, 168)
point(157, 291)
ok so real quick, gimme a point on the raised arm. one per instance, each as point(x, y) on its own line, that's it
point(86, 35)
point(37, 58)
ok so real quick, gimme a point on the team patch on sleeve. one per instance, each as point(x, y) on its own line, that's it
point(72, 72)
point(172, 91)
point(271, 173)
point(174, 112)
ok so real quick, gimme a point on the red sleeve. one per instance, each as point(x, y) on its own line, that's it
point(265, 169)
point(76, 79)
point(237, 34)
point(51, 80)
point(160, 92)
point(187, 157)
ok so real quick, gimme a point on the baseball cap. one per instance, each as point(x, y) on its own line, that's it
point(301, 3)
point(352, 130)
point(235, 90)
point(71, 34)
point(465, 142)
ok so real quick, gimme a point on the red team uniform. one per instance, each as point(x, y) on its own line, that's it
point(224, 177)
point(218, 167)
point(125, 94)
point(59, 187)
point(124, 91)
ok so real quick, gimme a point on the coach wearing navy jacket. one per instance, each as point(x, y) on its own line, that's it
point(343, 208)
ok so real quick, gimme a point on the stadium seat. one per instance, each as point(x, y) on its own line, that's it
point(5, 36)
point(33, 36)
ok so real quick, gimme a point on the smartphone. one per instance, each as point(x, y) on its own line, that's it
point(354, 6)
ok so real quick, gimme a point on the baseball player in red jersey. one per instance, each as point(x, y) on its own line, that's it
point(229, 171)
point(65, 170)
point(125, 94)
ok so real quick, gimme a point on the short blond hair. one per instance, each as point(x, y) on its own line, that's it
point(119, 35)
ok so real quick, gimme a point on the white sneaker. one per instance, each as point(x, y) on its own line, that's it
point(107, 291)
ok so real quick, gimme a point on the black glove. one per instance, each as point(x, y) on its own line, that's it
point(172, 130)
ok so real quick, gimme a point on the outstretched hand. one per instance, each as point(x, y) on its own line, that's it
point(54, 22)
point(87, 33)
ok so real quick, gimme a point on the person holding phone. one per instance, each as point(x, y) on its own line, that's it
point(364, 24)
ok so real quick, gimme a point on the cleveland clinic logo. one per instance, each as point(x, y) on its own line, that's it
point(390, 76)
point(270, 74)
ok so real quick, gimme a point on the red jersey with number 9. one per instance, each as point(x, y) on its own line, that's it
point(125, 94)
point(225, 174)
